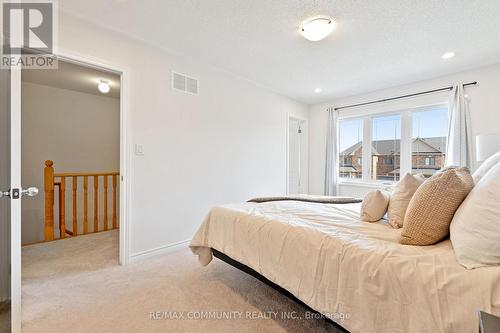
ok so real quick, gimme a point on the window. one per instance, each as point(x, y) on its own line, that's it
point(351, 148)
point(430, 128)
point(386, 146)
point(420, 148)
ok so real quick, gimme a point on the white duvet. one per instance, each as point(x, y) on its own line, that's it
point(328, 258)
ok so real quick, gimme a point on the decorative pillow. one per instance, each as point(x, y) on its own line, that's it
point(400, 198)
point(429, 214)
point(485, 167)
point(374, 206)
point(475, 229)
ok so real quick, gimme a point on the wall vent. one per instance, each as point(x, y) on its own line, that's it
point(186, 84)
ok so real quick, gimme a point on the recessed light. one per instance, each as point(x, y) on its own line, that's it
point(318, 90)
point(448, 55)
point(104, 87)
point(317, 29)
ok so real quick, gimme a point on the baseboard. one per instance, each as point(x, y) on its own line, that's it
point(159, 250)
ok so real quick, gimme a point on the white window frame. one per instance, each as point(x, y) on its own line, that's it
point(405, 141)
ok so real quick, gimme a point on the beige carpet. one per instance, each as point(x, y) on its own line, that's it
point(5, 317)
point(76, 285)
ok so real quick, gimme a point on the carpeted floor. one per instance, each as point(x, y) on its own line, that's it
point(76, 285)
point(5, 317)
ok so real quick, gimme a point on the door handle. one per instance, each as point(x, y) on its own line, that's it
point(30, 192)
point(5, 194)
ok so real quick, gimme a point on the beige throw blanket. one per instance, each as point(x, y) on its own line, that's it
point(308, 198)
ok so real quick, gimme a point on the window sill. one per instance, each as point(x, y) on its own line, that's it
point(374, 185)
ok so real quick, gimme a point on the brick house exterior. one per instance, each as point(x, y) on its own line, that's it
point(428, 156)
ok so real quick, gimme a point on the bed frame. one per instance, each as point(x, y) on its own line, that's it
point(271, 284)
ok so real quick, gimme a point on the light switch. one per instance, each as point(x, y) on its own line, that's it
point(139, 150)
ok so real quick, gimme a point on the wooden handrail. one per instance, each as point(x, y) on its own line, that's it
point(50, 183)
point(82, 174)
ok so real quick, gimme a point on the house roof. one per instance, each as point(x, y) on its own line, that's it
point(435, 145)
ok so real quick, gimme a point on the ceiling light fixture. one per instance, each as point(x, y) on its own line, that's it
point(317, 29)
point(104, 87)
point(318, 90)
point(448, 55)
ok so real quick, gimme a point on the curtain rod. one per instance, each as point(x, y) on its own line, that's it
point(402, 96)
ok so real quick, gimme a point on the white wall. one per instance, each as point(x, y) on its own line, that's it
point(80, 132)
point(484, 106)
point(225, 145)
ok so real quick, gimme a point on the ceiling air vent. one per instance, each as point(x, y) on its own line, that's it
point(183, 83)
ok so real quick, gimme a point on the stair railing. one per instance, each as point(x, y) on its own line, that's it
point(53, 181)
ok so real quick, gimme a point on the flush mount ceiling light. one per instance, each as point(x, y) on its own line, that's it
point(318, 90)
point(104, 87)
point(317, 29)
point(448, 55)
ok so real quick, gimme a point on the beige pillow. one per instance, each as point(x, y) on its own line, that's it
point(431, 209)
point(400, 198)
point(374, 206)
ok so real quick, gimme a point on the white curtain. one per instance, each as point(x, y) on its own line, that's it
point(331, 168)
point(459, 150)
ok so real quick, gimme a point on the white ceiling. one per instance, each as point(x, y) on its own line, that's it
point(377, 43)
point(74, 77)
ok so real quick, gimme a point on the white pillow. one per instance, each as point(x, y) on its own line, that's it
point(374, 206)
point(475, 228)
point(485, 167)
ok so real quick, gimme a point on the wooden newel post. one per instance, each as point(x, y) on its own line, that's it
point(48, 177)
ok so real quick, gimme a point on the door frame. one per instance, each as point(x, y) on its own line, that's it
point(288, 119)
point(125, 156)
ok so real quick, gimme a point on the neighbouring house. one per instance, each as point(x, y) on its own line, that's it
point(428, 156)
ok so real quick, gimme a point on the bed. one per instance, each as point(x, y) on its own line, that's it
point(344, 268)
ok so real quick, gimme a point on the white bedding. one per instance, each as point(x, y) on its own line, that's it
point(335, 263)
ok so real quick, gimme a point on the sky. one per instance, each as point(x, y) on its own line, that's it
point(429, 123)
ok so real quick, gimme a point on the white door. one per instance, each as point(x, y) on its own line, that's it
point(296, 156)
point(10, 199)
point(5, 230)
point(293, 156)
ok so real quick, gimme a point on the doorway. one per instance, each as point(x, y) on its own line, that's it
point(10, 180)
point(70, 151)
point(297, 156)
